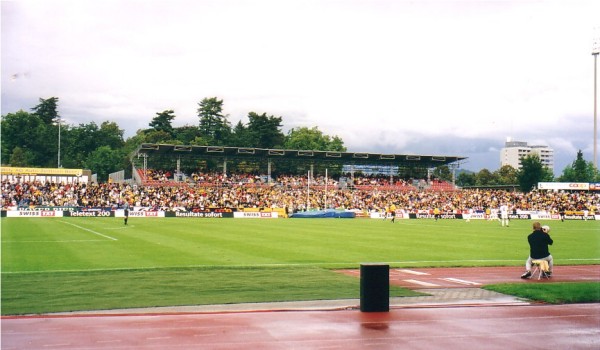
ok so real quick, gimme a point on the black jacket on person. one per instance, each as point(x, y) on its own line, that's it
point(538, 244)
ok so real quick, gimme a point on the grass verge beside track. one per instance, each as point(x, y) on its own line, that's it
point(552, 293)
point(34, 293)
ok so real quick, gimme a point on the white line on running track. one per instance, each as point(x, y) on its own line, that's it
point(92, 231)
point(412, 272)
point(61, 345)
point(421, 283)
point(456, 280)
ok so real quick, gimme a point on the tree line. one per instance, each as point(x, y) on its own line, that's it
point(33, 138)
point(41, 138)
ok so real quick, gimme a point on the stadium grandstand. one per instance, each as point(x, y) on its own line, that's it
point(182, 161)
point(225, 181)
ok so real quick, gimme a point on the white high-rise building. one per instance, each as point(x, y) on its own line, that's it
point(514, 151)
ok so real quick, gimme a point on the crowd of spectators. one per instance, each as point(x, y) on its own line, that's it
point(290, 192)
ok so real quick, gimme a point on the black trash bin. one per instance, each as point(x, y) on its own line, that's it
point(374, 287)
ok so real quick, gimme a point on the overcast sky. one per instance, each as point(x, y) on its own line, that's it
point(388, 76)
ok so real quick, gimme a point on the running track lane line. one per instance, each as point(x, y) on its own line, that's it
point(421, 283)
point(413, 272)
point(89, 230)
point(459, 281)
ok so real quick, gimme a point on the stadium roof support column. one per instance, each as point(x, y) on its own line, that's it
point(225, 166)
point(269, 171)
point(145, 156)
point(454, 176)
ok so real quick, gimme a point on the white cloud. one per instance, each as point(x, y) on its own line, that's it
point(405, 76)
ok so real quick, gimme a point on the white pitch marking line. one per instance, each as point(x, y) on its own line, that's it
point(66, 241)
point(421, 283)
point(413, 272)
point(459, 281)
point(92, 231)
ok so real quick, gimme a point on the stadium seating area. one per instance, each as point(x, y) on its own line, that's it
point(165, 177)
point(200, 190)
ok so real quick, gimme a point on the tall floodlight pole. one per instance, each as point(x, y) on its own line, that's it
point(595, 52)
point(59, 121)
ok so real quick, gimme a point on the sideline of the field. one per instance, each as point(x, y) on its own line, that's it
point(89, 230)
point(483, 263)
point(454, 291)
point(448, 297)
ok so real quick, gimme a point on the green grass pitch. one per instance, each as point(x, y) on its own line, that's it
point(66, 264)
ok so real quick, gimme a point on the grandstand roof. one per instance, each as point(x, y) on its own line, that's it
point(361, 158)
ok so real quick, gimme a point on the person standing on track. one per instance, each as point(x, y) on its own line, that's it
point(539, 240)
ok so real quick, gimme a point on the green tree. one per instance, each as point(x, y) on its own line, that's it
point(532, 171)
point(580, 171)
point(240, 136)
point(28, 132)
point(157, 136)
point(506, 175)
point(337, 144)
point(485, 178)
point(162, 121)
point(47, 110)
point(443, 173)
point(78, 143)
point(265, 132)
point(20, 157)
point(103, 161)
point(132, 143)
point(594, 171)
point(189, 135)
point(313, 139)
point(466, 179)
point(110, 135)
point(214, 126)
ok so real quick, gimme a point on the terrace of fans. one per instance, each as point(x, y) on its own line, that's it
point(213, 190)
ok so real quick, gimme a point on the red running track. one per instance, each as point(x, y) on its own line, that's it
point(508, 327)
